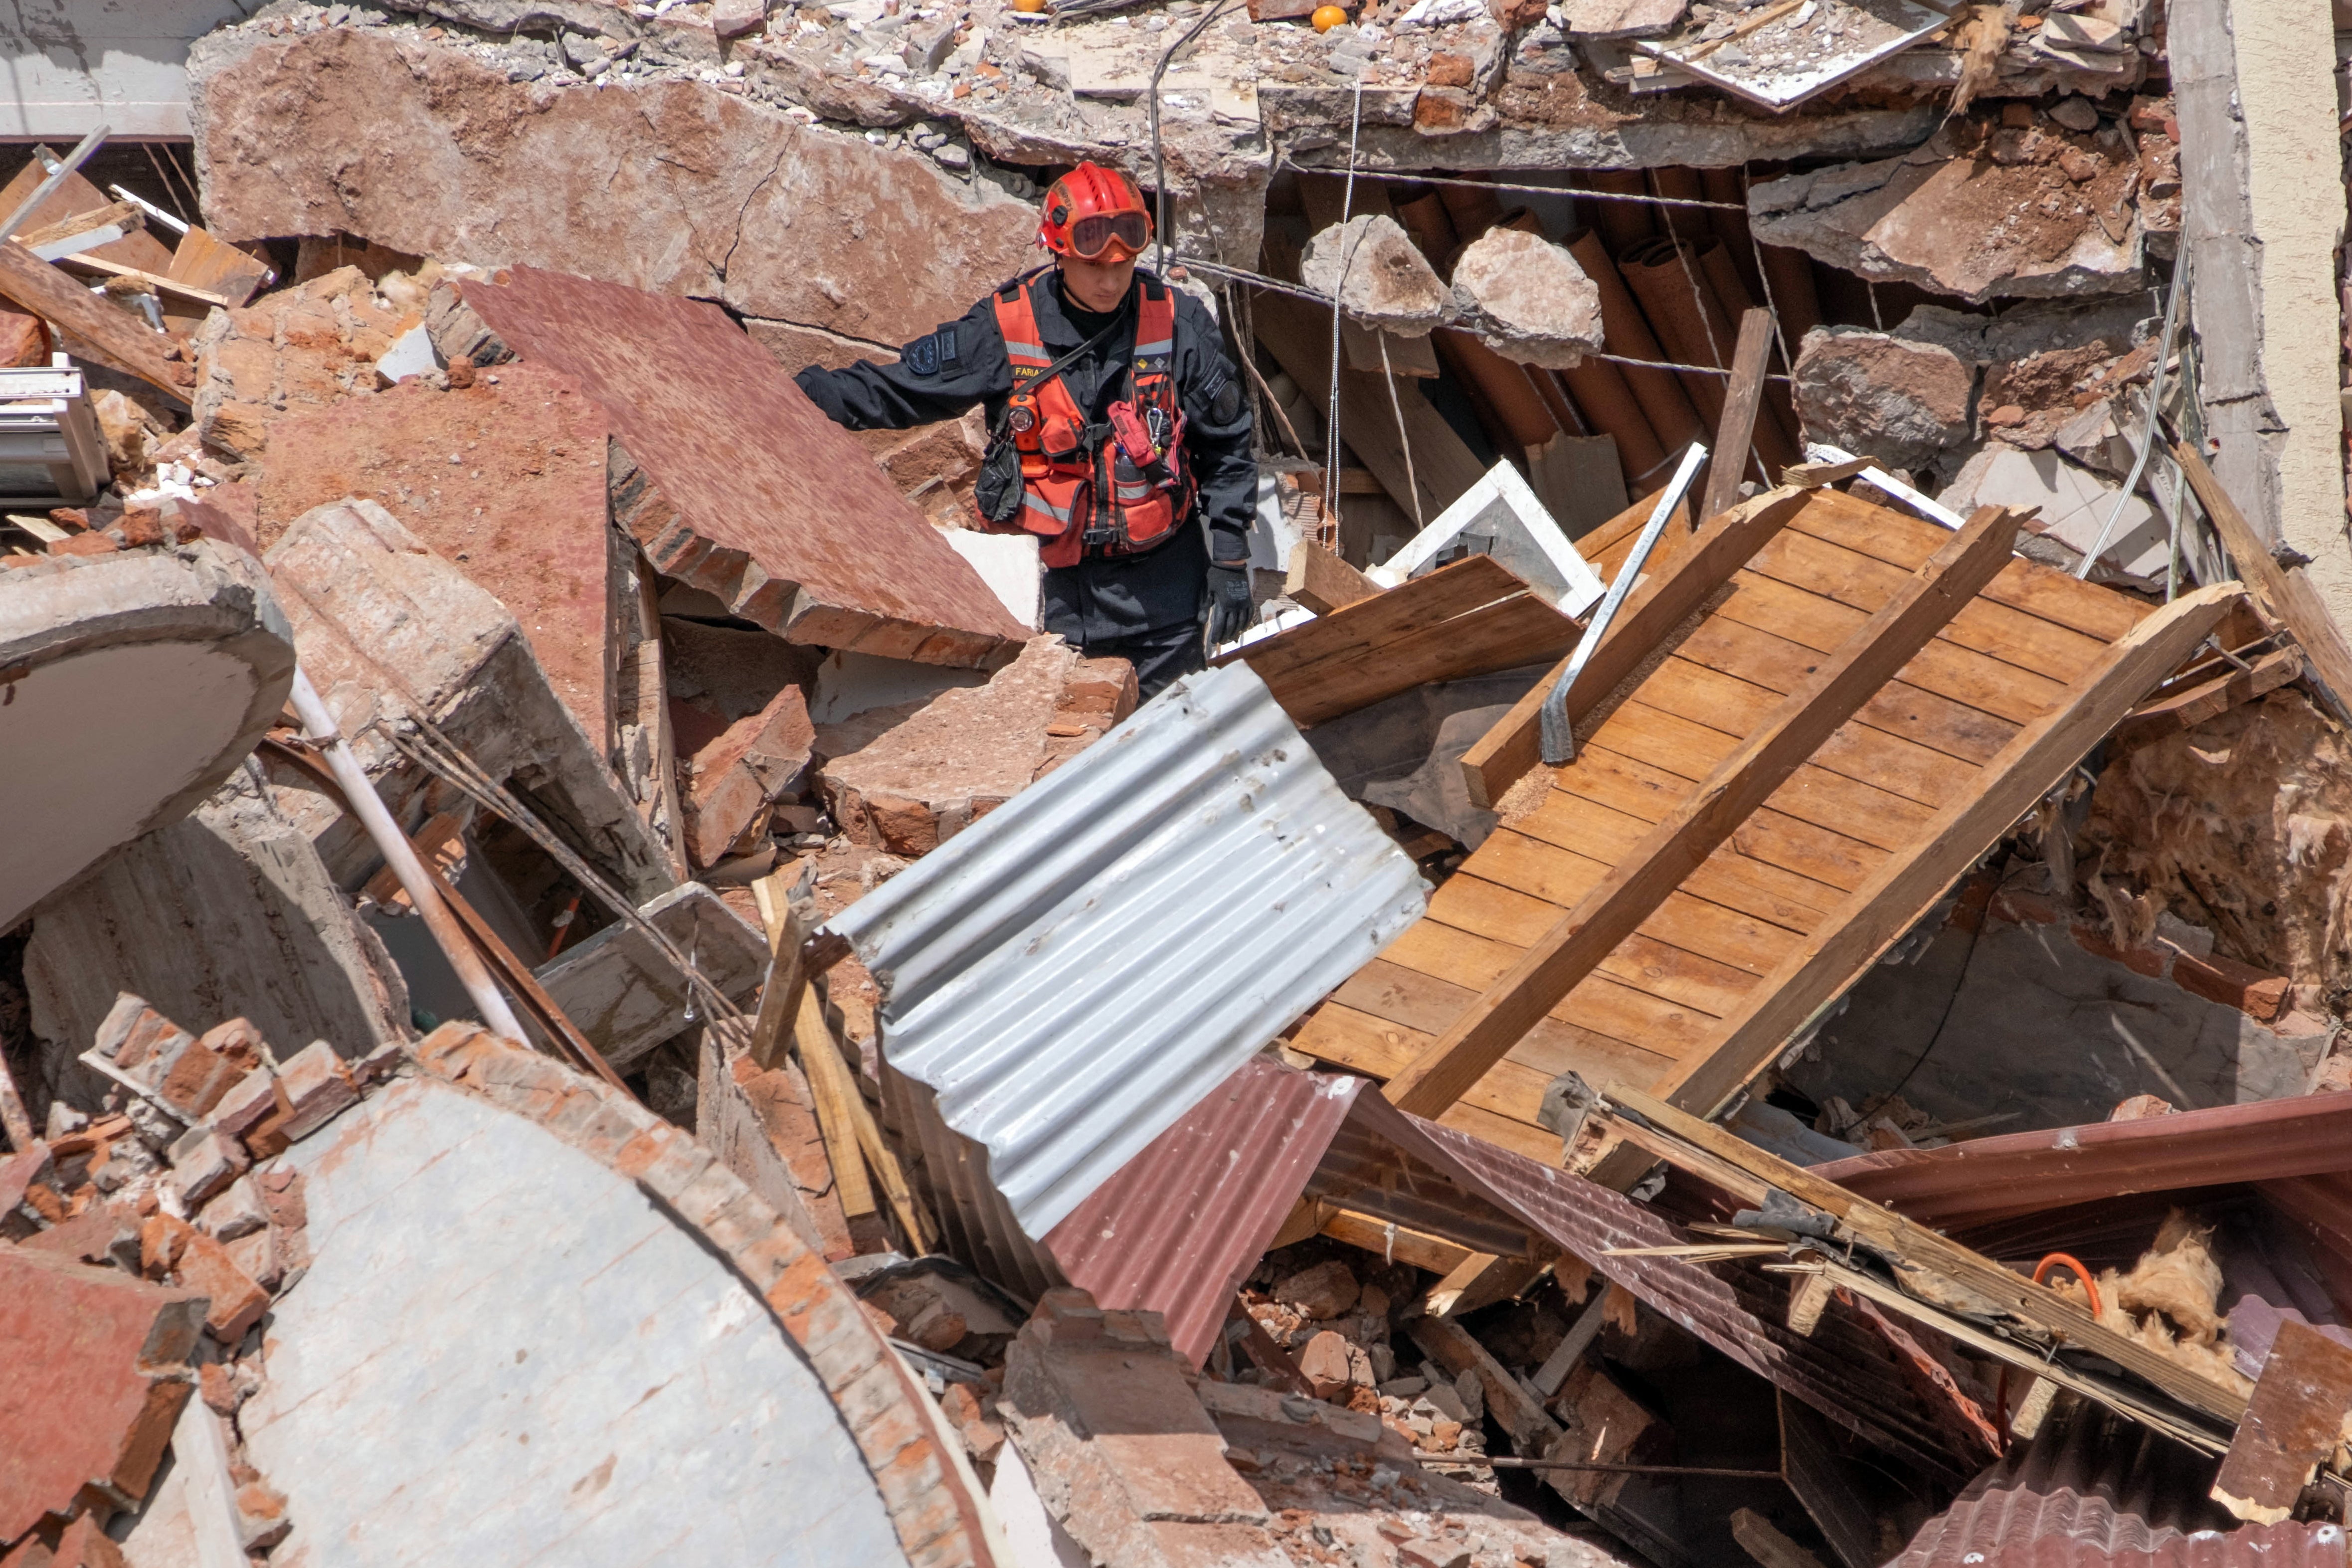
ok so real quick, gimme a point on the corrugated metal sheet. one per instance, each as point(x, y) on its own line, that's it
point(2094, 1491)
point(2025, 1172)
point(1080, 967)
point(1183, 1223)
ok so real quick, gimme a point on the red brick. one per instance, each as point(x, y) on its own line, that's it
point(83, 544)
point(85, 1545)
point(754, 760)
point(94, 1377)
point(2234, 985)
point(2148, 961)
point(246, 1104)
point(316, 1088)
point(453, 1047)
point(200, 1264)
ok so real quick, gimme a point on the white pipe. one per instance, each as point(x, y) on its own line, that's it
point(319, 730)
point(150, 208)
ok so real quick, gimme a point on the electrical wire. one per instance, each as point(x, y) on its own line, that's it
point(1158, 162)
point(2155, 413)
point(1576, 192)
point(1338, 292)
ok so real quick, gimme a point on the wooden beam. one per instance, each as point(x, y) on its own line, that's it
point(2287, 596)
point(114, 213)
point(154, 280)
point(1761, 1539)
point(1321, 582)
point(1481, 1279)
point(2292, 1427)
point(1735, 436)
point(1504, 753)
point(110, 333)
point(1885, 906)
point(1392, 1243)
point(1299, 338)
point(829, 1096)
point(1739, 784)
point(2000, 1290)
point(2168, 712)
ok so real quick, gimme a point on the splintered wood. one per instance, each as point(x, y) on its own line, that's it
point(1840, 859)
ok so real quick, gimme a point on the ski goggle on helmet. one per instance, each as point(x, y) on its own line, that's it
point(1095, 214)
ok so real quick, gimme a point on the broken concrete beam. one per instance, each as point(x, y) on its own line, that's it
point(926, 777)
point(94, 1377)
point(698, 191)
point(1528, 300)
point(385, 624)
point(747, 491)
point(717, 674)
point(628, 999)
point(2075, 506)
point(731, 781)
point(236, 879)
point(196, 659)
point(506, 481)
point(1982, 210)
point(1378, 275)
point(1904, 403)
point(1122, 1451)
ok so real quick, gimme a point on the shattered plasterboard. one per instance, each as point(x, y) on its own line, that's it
point(1520, 534)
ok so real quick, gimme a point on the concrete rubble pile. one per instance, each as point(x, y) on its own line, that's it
point(1746, 961)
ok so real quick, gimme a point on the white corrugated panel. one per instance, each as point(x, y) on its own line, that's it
point(1073, 972)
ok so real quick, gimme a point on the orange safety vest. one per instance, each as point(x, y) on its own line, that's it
point(1069, 468)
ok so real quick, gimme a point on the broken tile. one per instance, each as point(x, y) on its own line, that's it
point(94, 1378)
point(176, 1250)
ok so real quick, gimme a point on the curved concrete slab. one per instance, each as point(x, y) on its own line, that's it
point(506, 1352)
point(130, 685)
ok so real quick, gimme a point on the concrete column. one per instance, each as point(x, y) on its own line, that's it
point(2263, 215)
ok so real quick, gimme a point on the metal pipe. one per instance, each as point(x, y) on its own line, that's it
point(1558, 731)
point(319, 728)
point(73, 161)
point(150, 208)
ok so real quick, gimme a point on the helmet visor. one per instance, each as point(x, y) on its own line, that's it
point(1093, 235)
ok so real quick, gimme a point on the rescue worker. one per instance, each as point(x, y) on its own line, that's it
point(1117, 428)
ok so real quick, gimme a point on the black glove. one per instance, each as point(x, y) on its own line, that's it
point(1228, 604)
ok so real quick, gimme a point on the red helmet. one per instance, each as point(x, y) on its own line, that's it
point(1095, 214)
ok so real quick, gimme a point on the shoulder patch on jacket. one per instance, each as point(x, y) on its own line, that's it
point(931, 353)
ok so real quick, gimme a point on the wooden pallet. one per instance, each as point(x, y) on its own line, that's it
point(1842, 857)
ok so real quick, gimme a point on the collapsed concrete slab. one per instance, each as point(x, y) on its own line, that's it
point(628, 999)
point(669, 185)
point(741, 487)
point(505, 479)
point(261, 930)
point(186, 653)
point(1981, 210)
point(608, 1307)
point(933, 771)
point(304, 347)
point(386, 625)
point(1528, 300)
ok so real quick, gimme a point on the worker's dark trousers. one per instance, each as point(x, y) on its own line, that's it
point(1159, 655)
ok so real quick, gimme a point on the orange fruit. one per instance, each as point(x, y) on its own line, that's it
point(1326, 17)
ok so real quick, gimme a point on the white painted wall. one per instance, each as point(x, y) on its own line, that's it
point(67, 66)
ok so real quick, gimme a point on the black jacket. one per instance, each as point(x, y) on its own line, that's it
point(963, 362)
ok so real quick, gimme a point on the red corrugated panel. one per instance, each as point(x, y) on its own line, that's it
point(2024, 1173)
point(1182, 1224)
point(2094, 1491)
point(779, 510)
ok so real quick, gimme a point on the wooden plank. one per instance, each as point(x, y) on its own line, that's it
point(1635, 789)
point(1561, 875)
point(1504, 753)
point(92, 262)
point(108, 334)
point(82, 223)
point(1853, 578)
point(1925, 717)
point(1761, 1539)
point(1467, 619)
point(2292, 1427)
point(214, 264)
point(2002, 690)
point(1610, 914)
point(76, 193)
point(1661, 964)
point(1322, 582)
point(1741, 402)
point(2193, 704)
point(1904, 540)
point(2287, 597)
point(1886, 905)
point(2011, 1293)
point(1394, 1243)
point(1299, 336)
point(1728, 877)
point(1694, 925)
point(1481, 1279)
point(1420, 1006)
